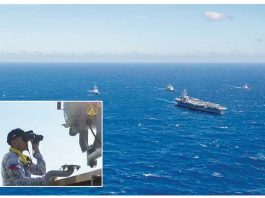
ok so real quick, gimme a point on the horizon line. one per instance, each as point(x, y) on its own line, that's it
point(135, 62)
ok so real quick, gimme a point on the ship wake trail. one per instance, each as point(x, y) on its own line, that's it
point(164, 100)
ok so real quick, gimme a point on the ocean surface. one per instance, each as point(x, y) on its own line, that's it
point(152, 147)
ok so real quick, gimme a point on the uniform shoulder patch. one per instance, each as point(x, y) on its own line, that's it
point(13, 166)
point(14, 169)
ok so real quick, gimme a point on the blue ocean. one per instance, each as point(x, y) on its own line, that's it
point(152, 147)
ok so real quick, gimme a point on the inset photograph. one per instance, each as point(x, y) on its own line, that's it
point(51, 143)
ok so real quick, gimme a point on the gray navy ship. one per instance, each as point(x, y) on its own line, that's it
point(196, 104)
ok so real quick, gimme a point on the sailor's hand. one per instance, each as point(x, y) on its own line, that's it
point(35, 146)
point(53, 180)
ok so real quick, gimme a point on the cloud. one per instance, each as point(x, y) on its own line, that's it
point(259, 40)
point(217, 16)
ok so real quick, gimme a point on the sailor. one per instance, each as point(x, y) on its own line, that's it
point(17, 168)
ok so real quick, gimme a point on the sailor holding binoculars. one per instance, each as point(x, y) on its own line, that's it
point(16, 167)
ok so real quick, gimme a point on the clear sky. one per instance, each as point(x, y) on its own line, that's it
point(167, 33)
point(58, 147)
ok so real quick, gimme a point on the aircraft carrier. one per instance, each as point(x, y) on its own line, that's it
point(196, 104)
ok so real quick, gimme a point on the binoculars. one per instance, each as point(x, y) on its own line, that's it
point(33, 137)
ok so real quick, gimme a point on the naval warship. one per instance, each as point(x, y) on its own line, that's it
point(196, 104)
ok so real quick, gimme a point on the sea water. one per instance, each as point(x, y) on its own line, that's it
point(150, 145)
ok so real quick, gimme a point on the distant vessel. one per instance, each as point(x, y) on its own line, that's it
point(193, 103)
point(245, 87)
point(169, 87)
point(95, 90)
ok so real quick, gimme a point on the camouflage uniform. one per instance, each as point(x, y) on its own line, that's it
point(15, 173)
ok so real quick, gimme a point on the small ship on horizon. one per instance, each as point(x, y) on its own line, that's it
point(169, 88)
point(95, 90)
point(196, 104)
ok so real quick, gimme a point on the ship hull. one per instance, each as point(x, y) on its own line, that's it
point(198, 108)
